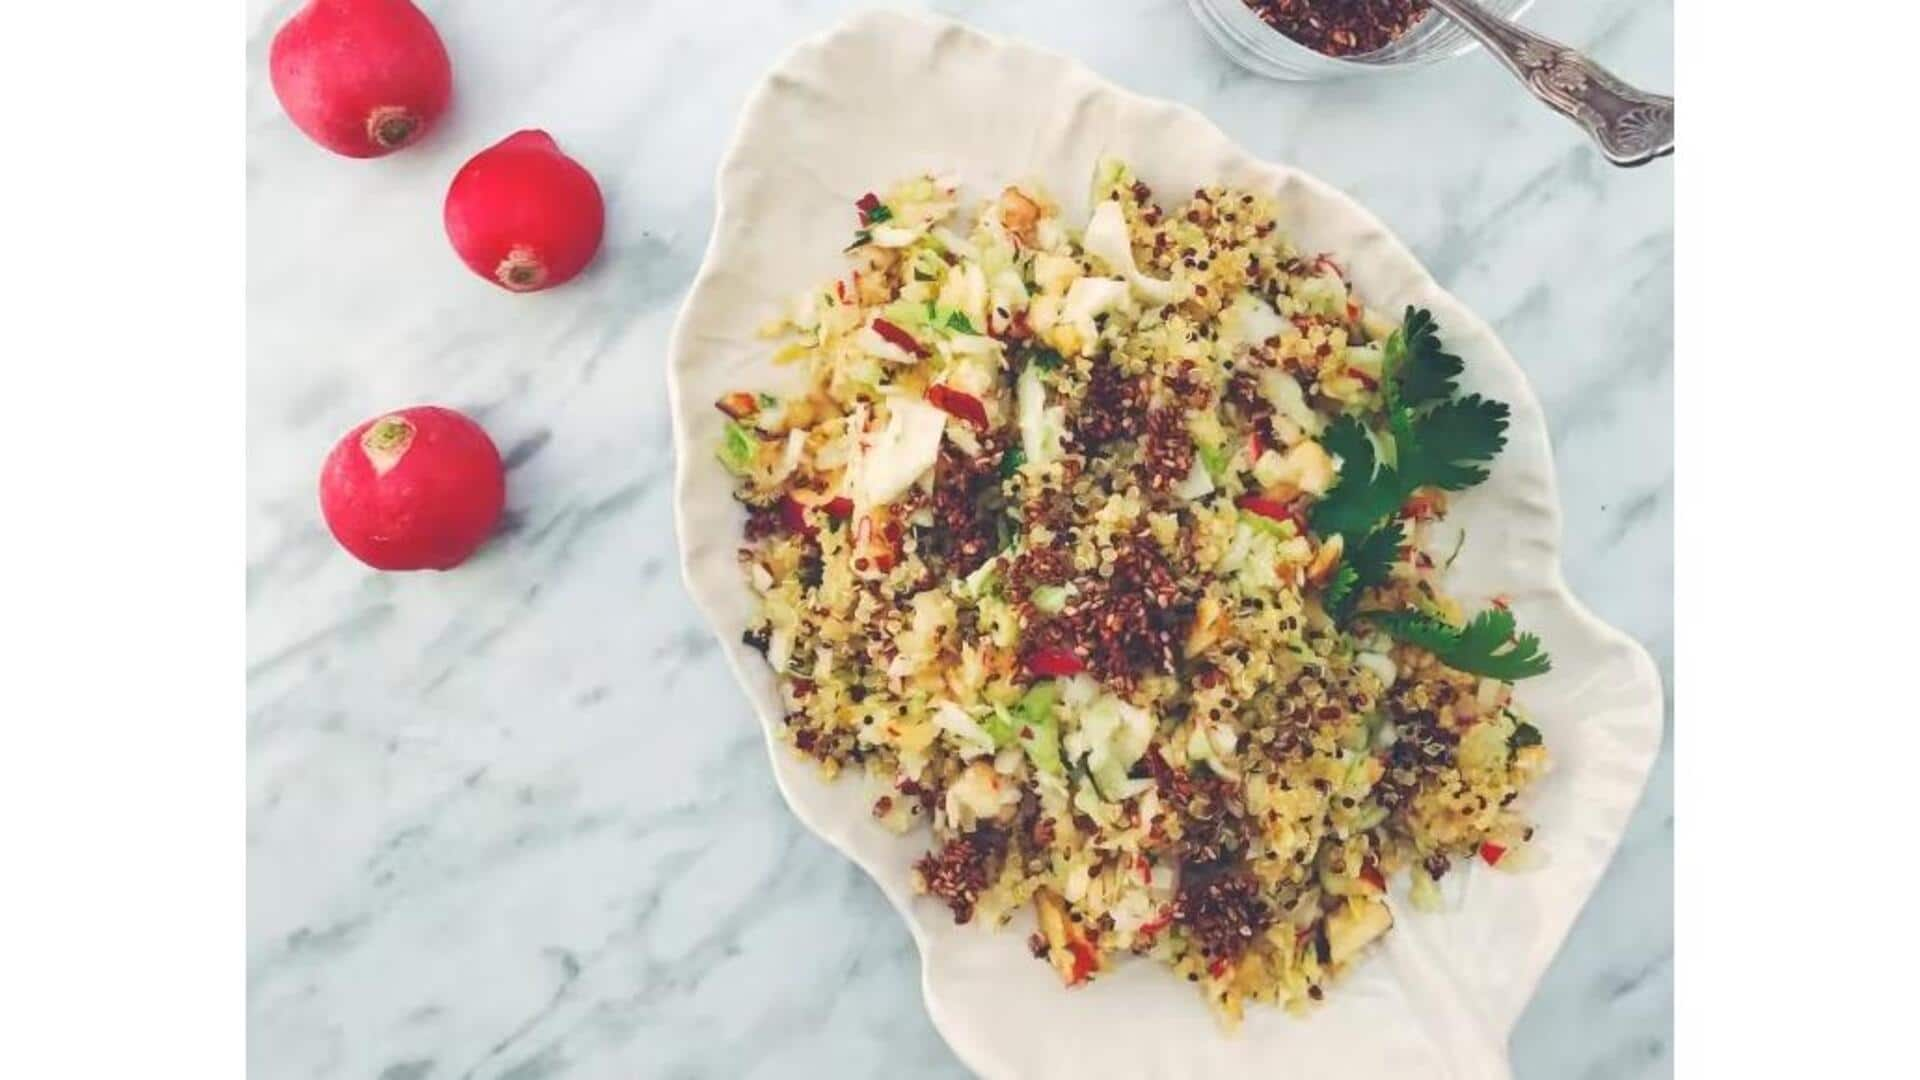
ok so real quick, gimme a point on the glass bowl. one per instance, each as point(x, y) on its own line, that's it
point(1263, 50)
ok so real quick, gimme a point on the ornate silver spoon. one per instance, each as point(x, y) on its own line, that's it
point(1631, 126)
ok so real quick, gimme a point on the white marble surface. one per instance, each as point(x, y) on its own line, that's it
point(516, 821)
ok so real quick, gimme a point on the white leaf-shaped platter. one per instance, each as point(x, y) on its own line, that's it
point(888, 95)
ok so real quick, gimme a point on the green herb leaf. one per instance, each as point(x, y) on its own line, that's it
point(1365, 565)
point(1348, 438)
point(1342, 590)
point(1416, 369)
point(1010, 461)
point(1365, 492)
point(861, 239)
point(1047, 360)
point(1487, 645)
point(1524, 735)
point(879, 214)
point(1416, 628)
point(1437, 440)
point(1373, 557)
point(1449, 444)
point(958, 321)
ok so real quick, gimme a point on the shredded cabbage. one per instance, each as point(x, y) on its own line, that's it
point(1040, 426)
point(1106, 239)
point(737, 448)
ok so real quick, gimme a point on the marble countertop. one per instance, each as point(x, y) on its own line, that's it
point(516, 821)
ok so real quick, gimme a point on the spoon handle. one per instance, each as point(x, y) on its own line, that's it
point(1632, 127)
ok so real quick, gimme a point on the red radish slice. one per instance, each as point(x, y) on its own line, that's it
point(1085, 962)
point(738, 406)
point(1420, 506)
point(1272, 509)
point(523, 215)
point(958, 403)
point(418, 489)
point(362, 78)
point(793, 510)
point(793, 514)
point(896, 336)
point(1054, 662)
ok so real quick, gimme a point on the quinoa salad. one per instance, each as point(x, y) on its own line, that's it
point(1111, 554)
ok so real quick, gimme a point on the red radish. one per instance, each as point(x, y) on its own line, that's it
point(793, 514)
point(1052, 661)
point(958, 403)
point(896, 336)
point(523, 215)
point(361, 77)
point(1271, 509)
point(417, 489)
point(738, 406)
point(793, 510)
point(1085, 962)
point(1420, 506)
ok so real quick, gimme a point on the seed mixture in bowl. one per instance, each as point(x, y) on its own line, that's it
point(1113, 555)
point(1341, 27)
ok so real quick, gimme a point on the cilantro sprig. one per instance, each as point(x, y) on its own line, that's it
point(1438, 439)
point(1488, 645)
point(1431, 437)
